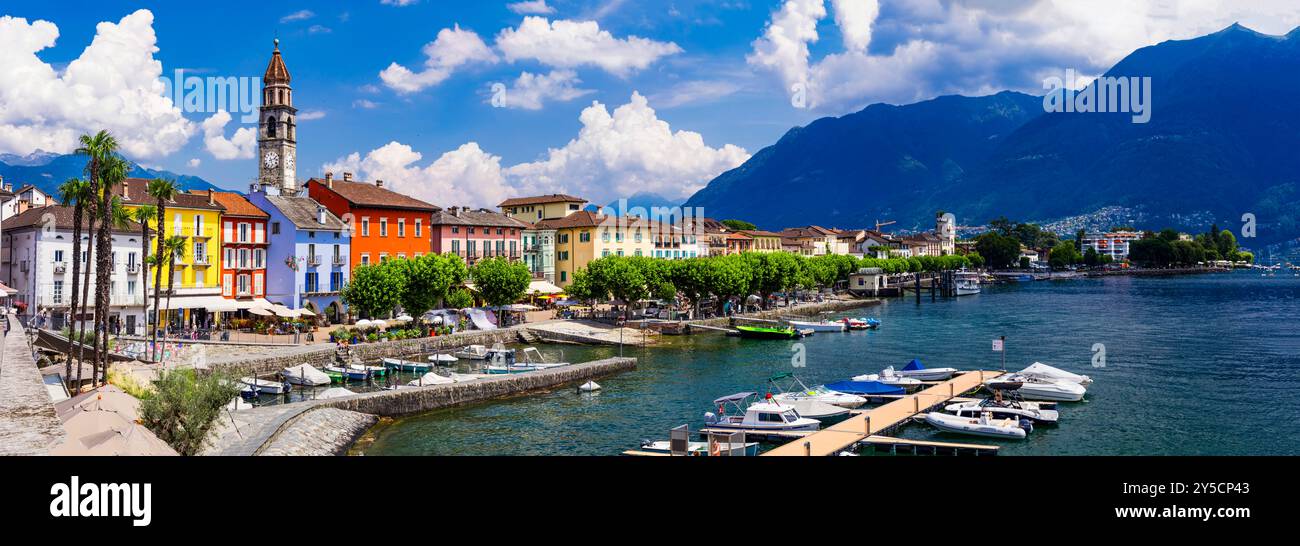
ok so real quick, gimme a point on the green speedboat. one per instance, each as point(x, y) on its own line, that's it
point(768, 332)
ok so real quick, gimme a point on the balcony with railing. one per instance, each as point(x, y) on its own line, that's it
point(314, 260)
point(132, 269)
point(340, 260)
point(202, 261)
point(206, 232)
point(60, 268)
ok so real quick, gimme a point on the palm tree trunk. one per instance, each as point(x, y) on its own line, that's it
point(85, 292)
point(157, 283)
point(144, 268)
point(171, 287)
point(77, 217)
point(103, 281)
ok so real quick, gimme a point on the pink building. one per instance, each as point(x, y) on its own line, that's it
point(474, 234)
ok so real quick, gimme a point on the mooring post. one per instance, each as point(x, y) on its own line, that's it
point(868, 425)
point(807, 449)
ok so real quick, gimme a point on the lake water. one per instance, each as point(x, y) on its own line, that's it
point(1206, 364)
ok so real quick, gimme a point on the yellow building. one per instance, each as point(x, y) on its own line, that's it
point(544, 207)
point(196, 217)
point(584, 236)
point(764, 241)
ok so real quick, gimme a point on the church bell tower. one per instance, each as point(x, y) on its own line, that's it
point(277, 145)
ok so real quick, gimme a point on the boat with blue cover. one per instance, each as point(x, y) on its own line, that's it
point(865, 388)
point(916, 370)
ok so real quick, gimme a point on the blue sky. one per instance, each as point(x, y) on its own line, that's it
point(713, 79)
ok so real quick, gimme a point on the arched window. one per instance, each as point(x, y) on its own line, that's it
point(270, 127)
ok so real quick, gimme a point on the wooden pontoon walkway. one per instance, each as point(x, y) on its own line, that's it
point(857, 428)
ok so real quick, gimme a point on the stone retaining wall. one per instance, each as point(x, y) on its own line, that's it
point(422, 399)
point(830, 306)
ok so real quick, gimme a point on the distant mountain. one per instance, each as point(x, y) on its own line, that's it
point(1221, 142)
point(46, 171)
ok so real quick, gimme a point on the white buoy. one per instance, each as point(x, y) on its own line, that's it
point(589, 386)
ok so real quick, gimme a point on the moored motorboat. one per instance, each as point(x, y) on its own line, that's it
point(889, 377)
point(407, 365)
point(792, 388)
point(473, 352)
point(431, 378)
point(305, 374)
point(1005, 409)
point(263, 386)
point(348, 374)
point(819, 326)
point(1043, 370)
point(533, 361)
point(866, 388)
point(1032, 387)
point(916, 370)
point(702, 449)
point(861, 323)
point(828, 414)
point(984, 425)
point(375, 371)
point(967, 283)
point(767, 332)
point(442, 359)
point(759, 416)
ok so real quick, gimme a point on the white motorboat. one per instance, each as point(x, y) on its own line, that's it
point(305, 374)
point(532, 361)
point(1033, 387)
point(1043, 370)
point(819, 326)
point(984, 425)
point(916, 370)
point(967, 283)
point(1005, 409)
point(890, 377)
point(702, 449)
point(821, 411)
point(374, 371)
point(797, 390)
point(263, 386)
point(760, 416)
point(442, 359)
point(473, 352)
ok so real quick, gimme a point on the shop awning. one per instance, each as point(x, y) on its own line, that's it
point(543, 287)
point(195, 302)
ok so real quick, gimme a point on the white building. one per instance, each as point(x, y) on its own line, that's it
point(1114, 244)
point(26, 197)
point(38, 263)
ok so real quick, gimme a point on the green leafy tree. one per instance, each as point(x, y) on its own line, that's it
point(690, 277)
point(739, 225)
point(374, 290)
point(999, 251)
point(459, 298)
point(428, 278)
point(616, 277)
point(728, 277)
point(1091, 257)
point(1063, 255)
point(501, 281)
point(184, 407)
point(976, 260)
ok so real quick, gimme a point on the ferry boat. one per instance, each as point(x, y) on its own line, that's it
point(967, 283)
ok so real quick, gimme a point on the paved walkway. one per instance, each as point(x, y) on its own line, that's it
point(28, 424)
point(589, 331)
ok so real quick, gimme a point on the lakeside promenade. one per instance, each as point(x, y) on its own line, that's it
point(28, 424)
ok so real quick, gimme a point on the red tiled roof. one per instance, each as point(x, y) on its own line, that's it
point(134, 192)
point(35, 218)
point(541, 199)
point(366, 194)
point(237, 205)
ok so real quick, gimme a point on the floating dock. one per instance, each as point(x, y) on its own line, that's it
point(868, 424)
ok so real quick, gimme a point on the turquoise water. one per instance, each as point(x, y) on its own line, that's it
point(1205, 364)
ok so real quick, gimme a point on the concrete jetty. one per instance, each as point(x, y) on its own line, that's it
point(28, 424)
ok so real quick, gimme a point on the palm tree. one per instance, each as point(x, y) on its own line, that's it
point(143, 214)
point(173, 249)
point(162, 191)
point(99, 149)
point(113, 171)
point(74, 192)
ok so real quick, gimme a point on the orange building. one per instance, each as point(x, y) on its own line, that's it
point(384, 223)
point(243, 247)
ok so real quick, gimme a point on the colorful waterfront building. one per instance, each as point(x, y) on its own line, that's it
point(764, 241)
point(475, 234)
point(38, 264)
point(541, 207)
point(309, 253)
point(584, 236)
point(196, 218)
point(384, 224)
point(243, 247)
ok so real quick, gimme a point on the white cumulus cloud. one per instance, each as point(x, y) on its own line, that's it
point(571, 44)
point(783, 48)
point(453, 48)
point(855, 18)
point(113, 85)
point(240, 146)
point(532, 91)
point(531, 7)
point(615, 155)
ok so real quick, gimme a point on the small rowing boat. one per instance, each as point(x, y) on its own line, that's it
point(407, 365)
point(347, 374)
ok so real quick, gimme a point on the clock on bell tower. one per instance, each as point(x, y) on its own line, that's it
point(277, 142)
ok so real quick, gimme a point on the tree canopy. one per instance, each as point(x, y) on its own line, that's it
point(500, 281)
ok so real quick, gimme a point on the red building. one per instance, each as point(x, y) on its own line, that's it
point(244, 245)
point(474, 234)
point(384, 223)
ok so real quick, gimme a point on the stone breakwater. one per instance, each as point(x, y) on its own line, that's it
point(320, 432)
point(323, 354)
point(807, 309)
point(306, 428)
